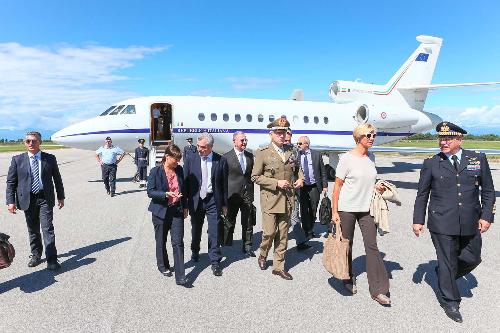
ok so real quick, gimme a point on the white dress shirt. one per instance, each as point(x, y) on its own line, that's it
point(38, 157)
point(209, 170)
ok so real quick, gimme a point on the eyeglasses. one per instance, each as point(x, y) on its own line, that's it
point(370, 135)
point(300, 143)
point(243, 140)
point(28, 141)
point(446, 138)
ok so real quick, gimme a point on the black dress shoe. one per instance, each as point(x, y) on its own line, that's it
point(303, 246)
point(195, 257)
point(166, 273)
point(283, 274)
point(262, 263)
point(249, 253)
point(217, 270)
point(311, 236)
point(182, 282)
point(53, 265)
point(452, 312)
point(108, 192)
point(34, 261)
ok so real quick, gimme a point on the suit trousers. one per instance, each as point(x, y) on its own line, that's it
point(378, 279)
point(109, 177)
point(297, 231)
point(238, 203)
point(309, 200)
point(174, 223)
point(207, 207)
point(275, 229)
point(457, 256)
point(39, 214)
point(142, 170)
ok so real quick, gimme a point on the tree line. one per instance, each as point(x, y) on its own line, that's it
point(484, 137)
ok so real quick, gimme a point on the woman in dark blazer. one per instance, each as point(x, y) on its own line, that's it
point(168, 201)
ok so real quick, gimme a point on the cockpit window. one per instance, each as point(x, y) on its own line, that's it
point(130, 109)
point(108, 110)
point(117, 110)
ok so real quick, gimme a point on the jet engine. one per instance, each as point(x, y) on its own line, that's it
point(385, 117)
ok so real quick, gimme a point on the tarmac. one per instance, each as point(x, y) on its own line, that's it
point(109, 281)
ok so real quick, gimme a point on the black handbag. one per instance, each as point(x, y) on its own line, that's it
point(325, 210)
point(7, 252)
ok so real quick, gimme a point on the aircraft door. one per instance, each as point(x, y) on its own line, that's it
point(161, 123)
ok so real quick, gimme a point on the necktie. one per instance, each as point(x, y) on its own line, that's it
point(455, 161)
point(305, 168)
point(204, 177)
point(242, 162)
point(35, 176)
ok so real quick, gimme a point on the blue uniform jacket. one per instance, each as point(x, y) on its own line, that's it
point(158, 186)
point(454, 206)
point(142, 153)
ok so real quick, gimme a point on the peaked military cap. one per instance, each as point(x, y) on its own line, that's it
point(279, 124)
point(141, 140)
point(108, 138)
point(189, 139)
point(446, 128)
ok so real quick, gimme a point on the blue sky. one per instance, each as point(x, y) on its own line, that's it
point(63, 61)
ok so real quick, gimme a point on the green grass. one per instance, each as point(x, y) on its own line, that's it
point(433, 144)
point(10, 147)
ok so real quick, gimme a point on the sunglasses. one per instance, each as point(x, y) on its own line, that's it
point(28, 141)
point(301, 143)
point(243, 140)
point(370, 135)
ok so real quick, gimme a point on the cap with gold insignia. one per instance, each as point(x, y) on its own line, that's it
point(279, 124)
point(446, 128)
point(108, 138)
point(141, 140)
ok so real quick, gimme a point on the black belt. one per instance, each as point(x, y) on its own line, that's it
point(310, 185)
point(39, 194)
point(209, 195)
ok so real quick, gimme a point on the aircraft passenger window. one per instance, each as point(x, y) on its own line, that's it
point(225, 117)
point(201, 116)
point(130, 109)
point(108, 110)
point(325, 119)
point(316, 120)
point(237, 117)
point(117, 110)
point(306, 119)
point(271, 118)
point(249, 117)
point(260, 118)
point(213, 116)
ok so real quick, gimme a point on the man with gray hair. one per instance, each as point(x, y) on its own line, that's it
point(30, 187)
point(240, 192)
point(205, 178)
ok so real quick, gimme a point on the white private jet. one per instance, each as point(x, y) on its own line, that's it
point(396, 109)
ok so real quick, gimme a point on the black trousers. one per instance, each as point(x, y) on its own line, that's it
point(457, 256)
point(173, 222)
point(109, 177)
point(143, 172)
point(378, 279)
point(309, 200)
point(39, 214)
point(238, 203)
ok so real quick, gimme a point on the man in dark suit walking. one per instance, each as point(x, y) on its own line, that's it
point(456, 217)
point(240, 192)
point(315, 183)
point(30, 187)
point(205, 175)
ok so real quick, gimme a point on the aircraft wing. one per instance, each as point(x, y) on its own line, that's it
point(451, 85)
point(400, 150)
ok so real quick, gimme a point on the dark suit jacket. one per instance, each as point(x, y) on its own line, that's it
point(239, 183)
point(192, 178)
point(454, 207)
point(19, 180)
point(158, 186)
point(319, 170)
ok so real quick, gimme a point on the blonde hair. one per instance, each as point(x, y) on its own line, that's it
point(361, 130)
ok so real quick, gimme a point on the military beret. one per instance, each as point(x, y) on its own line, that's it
point(108, 138)
point(279, 124)
point(446, 128)
point(141, 140)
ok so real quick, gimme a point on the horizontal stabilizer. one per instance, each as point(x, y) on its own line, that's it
point(450, 85)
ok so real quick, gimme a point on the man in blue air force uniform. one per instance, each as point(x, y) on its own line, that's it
point(141, 161)
point(456, 217)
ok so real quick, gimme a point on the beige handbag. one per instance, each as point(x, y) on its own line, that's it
point(336, 255)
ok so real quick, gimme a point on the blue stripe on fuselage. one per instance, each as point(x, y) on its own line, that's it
point(187, 130)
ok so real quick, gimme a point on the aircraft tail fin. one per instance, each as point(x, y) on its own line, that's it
point(417, 70)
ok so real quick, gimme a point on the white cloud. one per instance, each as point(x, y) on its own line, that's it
point(471, 117)
point(249, 83)
point(49, 87)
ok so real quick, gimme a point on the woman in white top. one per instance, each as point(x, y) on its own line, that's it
point(354, 185)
